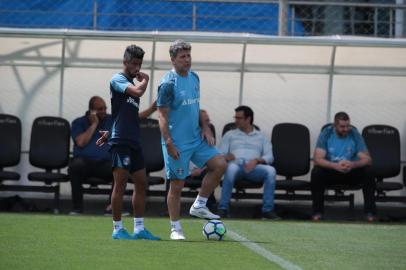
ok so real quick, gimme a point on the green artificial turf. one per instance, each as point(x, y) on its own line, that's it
point(84, 242)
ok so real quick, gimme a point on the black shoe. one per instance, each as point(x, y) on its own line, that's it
point(212, 206)
point(109, 212)
point(317, 217)
point(223, 213)
point(370, 217)
point(75, 212)
point(270, 216)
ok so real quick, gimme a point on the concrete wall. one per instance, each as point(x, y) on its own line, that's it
point(283, 80)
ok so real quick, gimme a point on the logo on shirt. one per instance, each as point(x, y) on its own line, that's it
point(190, 101)
point(132, 101)
point(126, 161)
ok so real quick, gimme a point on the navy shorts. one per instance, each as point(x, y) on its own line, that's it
point(126, 157)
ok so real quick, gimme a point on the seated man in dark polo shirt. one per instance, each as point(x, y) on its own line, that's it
point(88, 158)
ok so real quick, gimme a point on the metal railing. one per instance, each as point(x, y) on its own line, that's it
point(270, 17)
point(242, 67)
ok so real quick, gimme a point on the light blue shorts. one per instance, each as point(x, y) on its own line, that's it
point(199, 155)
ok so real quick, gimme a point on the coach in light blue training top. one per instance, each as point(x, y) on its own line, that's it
point(182, 95)
point(183, 140)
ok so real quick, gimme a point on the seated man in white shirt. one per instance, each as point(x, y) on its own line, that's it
point(249, 155)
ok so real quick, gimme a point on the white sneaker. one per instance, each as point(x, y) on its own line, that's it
point(202, 212)
point(177, 235)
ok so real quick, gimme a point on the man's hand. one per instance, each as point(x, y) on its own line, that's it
point(142, 76)
point(346, 165)
point(208, 135)
point(342, 166)
point(94, 120)
point(103, 139)
point(250, 165)
point(172, 151)
point(229, 157)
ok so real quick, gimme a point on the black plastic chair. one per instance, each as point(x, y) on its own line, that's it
point(404, 176)
point(10, 146)
point(231, 125)
point(49, 150)
point(150, 139)
point(291, 149)
point(152, 148)
point(94, 185)
point(383, 143)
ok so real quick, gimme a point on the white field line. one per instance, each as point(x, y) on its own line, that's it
point(263, 252)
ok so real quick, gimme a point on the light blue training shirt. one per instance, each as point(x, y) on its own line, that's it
point(341, 148)
point(182, 96)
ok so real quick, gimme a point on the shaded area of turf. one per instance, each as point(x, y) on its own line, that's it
point(64, 242)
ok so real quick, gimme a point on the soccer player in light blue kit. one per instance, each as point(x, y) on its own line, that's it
point(183, 140)
point(126, 153)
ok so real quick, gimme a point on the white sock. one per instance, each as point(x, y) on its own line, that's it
point(200, 202)
point(175, 226)
point(138, 224)
point(117, 225)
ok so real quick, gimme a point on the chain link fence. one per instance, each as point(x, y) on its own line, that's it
point(381, 18)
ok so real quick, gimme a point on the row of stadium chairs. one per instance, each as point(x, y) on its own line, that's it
point(50, 151)
point(291, 147)
point(50, 144)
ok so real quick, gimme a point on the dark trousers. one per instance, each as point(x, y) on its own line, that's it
point(322, 178)
point(82, 168)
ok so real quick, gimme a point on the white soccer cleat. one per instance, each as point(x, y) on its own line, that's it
point(202, 212)
point(177, 235)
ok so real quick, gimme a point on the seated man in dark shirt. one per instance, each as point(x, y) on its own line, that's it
point(88, 158)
